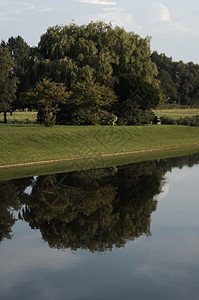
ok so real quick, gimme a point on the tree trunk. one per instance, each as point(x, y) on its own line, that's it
point(5, 117)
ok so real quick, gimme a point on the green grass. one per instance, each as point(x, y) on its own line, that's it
point(22, 143)
point(20, 117)
point(85, 164)
point(176, 113)
point(30, 117)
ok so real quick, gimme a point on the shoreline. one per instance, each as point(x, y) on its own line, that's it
point(94, 156)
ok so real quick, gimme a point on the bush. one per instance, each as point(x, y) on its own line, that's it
point(187, 121)
point(107, 118)
point(83, 117)
point(86, 117)
point(130, 114)
point(167, 121)
point(46, 114)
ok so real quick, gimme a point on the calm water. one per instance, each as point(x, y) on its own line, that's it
point(129, 232)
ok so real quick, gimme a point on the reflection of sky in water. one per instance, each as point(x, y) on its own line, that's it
point(28, 190)
point(163, 266)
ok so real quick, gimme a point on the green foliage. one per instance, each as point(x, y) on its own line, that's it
point(8, 81)
point(103, 55)
point(97, 52)
point(132, 115)
point(169, 88)
point(87, 102)
point(179, 81)
point(107, 118)
point(20, 52)
point(95, 56)
point(142, 94)
point(47, 95)
point(108, 52)
point(167, 120)
point(136, 98)
point(46, 113)
point(187, 121)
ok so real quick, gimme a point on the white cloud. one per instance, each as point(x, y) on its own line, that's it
point(46, 10)
point(159, 13)
point(29, 258)
point(4, 17)
point(29, 7)
point(164, 192)
point(181, 29)
point(118, 16)
point(16, 11)
point(98, 2)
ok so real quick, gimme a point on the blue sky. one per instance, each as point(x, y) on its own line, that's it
point(173, 25)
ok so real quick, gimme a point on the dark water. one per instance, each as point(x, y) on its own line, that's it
point(129, 232)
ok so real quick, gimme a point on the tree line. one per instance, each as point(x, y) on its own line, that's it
point(91, 74)
point(179, 81)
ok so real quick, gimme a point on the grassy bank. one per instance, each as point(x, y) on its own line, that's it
point(85, 164)
point(22, 143)
point(29, 143)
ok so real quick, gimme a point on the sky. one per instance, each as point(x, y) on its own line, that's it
point(173, 25)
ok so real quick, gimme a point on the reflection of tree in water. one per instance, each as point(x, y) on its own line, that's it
point(9, 202)
point(179, 162)
point(94, 209)
point(7, 220)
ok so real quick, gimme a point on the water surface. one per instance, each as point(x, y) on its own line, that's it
point(128, 232)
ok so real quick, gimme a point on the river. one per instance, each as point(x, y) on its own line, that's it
point(127, 232)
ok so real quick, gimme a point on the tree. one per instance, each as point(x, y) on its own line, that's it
point(95, 53)
point(47, 95)
point(168, 86)
point(179, 81)
point(106, 51)
point(8, 82)
point(89, 102)
point(136, 99)
point(20, 52)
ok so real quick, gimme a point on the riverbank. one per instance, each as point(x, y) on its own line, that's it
point(31, 143)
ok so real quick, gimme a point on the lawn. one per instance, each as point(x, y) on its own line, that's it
point(176, 113)
point(21, 143)
point(30, 117)
point(20, 117)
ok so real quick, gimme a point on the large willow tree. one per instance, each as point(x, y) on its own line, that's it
point(94, 51)
point(100, 53)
